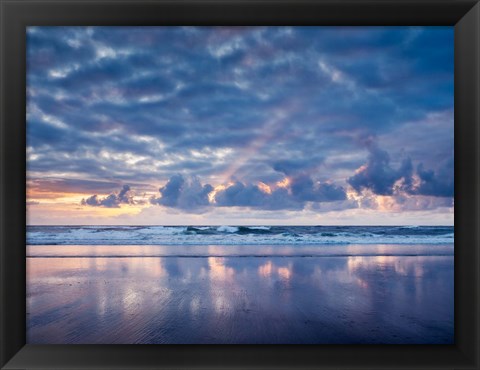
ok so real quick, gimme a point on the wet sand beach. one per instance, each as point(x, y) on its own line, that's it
point(283, 298)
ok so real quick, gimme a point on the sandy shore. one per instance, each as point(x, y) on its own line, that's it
point(368, 299)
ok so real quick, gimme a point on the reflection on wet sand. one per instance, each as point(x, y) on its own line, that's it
point(377, 299)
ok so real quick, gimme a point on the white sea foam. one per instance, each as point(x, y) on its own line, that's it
point(227, 229)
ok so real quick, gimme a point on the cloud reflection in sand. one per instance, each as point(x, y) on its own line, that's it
point(380, 299)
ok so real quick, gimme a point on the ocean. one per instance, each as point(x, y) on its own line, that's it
point(240, 284)
point(238, 235)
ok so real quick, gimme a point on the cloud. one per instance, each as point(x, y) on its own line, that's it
point(113, 200)
point(378, 176)
point(293, 166)
point(423, 203)
point(137, 104)
point(207, 88)
point(432, 184)
point(63, 185)
point(305, 189)
point(302, 187)
point(184, 193)
point(403, 202)
point(239, 194)
point(300, 191)
point(188, 194)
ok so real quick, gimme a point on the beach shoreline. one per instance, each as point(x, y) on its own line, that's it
point(251, 299)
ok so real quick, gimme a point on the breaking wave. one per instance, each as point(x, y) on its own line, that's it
point(237, 235)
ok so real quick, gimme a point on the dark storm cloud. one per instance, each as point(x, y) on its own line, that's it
point(141, 103)
point(434, 185)
point(377, 174)
point(381, 178)
point(186, 194)
point(305, 189)
point(250, 195)
point(114, 200)
point(190, 194)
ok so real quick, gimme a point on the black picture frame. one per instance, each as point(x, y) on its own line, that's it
point(17, 14)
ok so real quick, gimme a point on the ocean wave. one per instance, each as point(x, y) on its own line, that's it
point(228, 229)
point(232, 235)
point(236, 235)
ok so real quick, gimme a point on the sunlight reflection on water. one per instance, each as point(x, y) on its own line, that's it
point(379, 299)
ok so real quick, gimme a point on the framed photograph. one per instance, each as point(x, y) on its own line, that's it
point(297, 180)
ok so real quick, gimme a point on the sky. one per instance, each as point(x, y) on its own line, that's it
point(240, 125)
